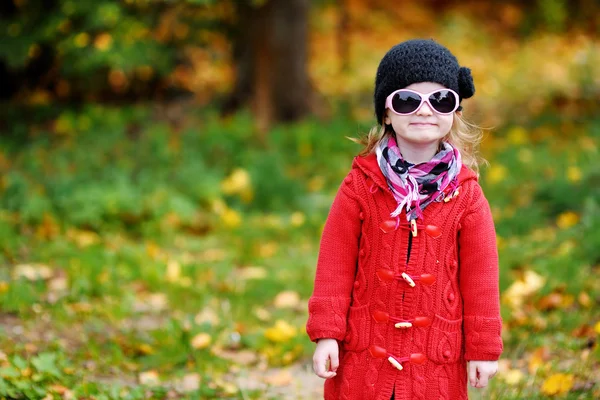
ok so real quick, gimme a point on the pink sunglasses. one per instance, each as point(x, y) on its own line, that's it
point(406, 101)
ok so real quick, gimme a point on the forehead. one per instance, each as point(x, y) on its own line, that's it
point(425, 87)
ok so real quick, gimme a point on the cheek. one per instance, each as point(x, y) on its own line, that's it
point(446, 123)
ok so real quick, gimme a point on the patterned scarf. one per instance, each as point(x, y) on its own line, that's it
point(415, 186)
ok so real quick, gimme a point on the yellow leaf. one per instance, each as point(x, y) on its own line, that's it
point(584, 299)
point(173, 271)
point(496, 173)
point(83, 238)
point(231, 218)
point(597, 327)
point(279, 378)
point(287, 299)
point(248, 273)
point(517, 135)
point(32, 272)
point(3, 287)
point(557, 384)
point(237, 182)
point(145, 348)
point(573, 174)
point(190, 382)
point(513, 376)
point(103, 41)
point(280, 332)
point(567, 220)
point(515, 295)
point(207, 315)
point(149, 378)
point(82, 39)
point(297, 219)
point(262, 314)
point(267, 249)
point(201, 341)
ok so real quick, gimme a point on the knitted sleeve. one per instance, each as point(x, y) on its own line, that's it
point(336, 267)
point(478, 257)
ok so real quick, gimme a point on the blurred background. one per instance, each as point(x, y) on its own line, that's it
point(166, 168)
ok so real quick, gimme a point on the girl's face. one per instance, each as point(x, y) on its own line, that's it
point(424, 127)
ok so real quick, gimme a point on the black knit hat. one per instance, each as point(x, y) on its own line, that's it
point(419, 60)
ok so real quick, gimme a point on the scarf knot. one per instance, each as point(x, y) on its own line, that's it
point(415, 186)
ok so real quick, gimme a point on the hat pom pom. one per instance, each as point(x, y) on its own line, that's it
point(466, 86)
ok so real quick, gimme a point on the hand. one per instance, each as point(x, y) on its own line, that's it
point(327, 350)
point(480, 372)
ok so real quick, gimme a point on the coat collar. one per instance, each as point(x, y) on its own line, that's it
point(369, 166)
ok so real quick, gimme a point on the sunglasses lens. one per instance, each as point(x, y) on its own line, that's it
point(443, 101)
point(405, 102)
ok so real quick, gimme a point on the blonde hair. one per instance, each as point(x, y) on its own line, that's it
point(463, 135)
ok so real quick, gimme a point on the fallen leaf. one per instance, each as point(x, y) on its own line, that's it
point(280, 332)
point(83, 238)
point(512, 377)
point(552, 301)
point(241, 357)
point(597, 327)
point(207, 315)
point(150, 378)
point(248, 273)
point(190, 382)
point(32, 272)
point(287, 299)
point(537, 359)
point(173, 271)
point(58, 389)
point(584, 331)
point(280, 378)
point(584, 299)
point(522, 288)
point(154, 302)
point(557, 384)
point(262, 314)
point(201, 341)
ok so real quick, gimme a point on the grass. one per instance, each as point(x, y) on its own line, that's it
point(144, 260)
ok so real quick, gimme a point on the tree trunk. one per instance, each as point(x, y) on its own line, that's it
point(270, 48)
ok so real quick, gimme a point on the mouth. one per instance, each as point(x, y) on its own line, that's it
point(422, 124)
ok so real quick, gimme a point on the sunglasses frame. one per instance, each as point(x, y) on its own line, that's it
point(424, 99)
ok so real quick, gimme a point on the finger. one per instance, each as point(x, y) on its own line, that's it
point(483, 380)
point(335, 362)
point(472, 375)
point(320, 370)
point(328, 374)
point(318, 365)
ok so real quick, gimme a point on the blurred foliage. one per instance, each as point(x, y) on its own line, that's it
point(212, 238)
point(157, 250)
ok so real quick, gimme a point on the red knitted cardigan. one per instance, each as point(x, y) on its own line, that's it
point(360, 295)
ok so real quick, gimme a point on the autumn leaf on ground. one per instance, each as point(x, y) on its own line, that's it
point(516, 294)
point(537, 359)
point(280, 378)
point(287, 299)
point(557, 384)
point(201, 341)
point(149, 378)
point(280, 332)
point(513, 376)
point(32, 272)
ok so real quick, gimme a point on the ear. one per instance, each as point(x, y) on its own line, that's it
point(386, 119)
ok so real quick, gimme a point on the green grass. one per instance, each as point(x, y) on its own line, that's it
point(146, 250)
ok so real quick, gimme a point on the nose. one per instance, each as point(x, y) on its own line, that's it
point(425, 109)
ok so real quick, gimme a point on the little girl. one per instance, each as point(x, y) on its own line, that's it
point(406, 288)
